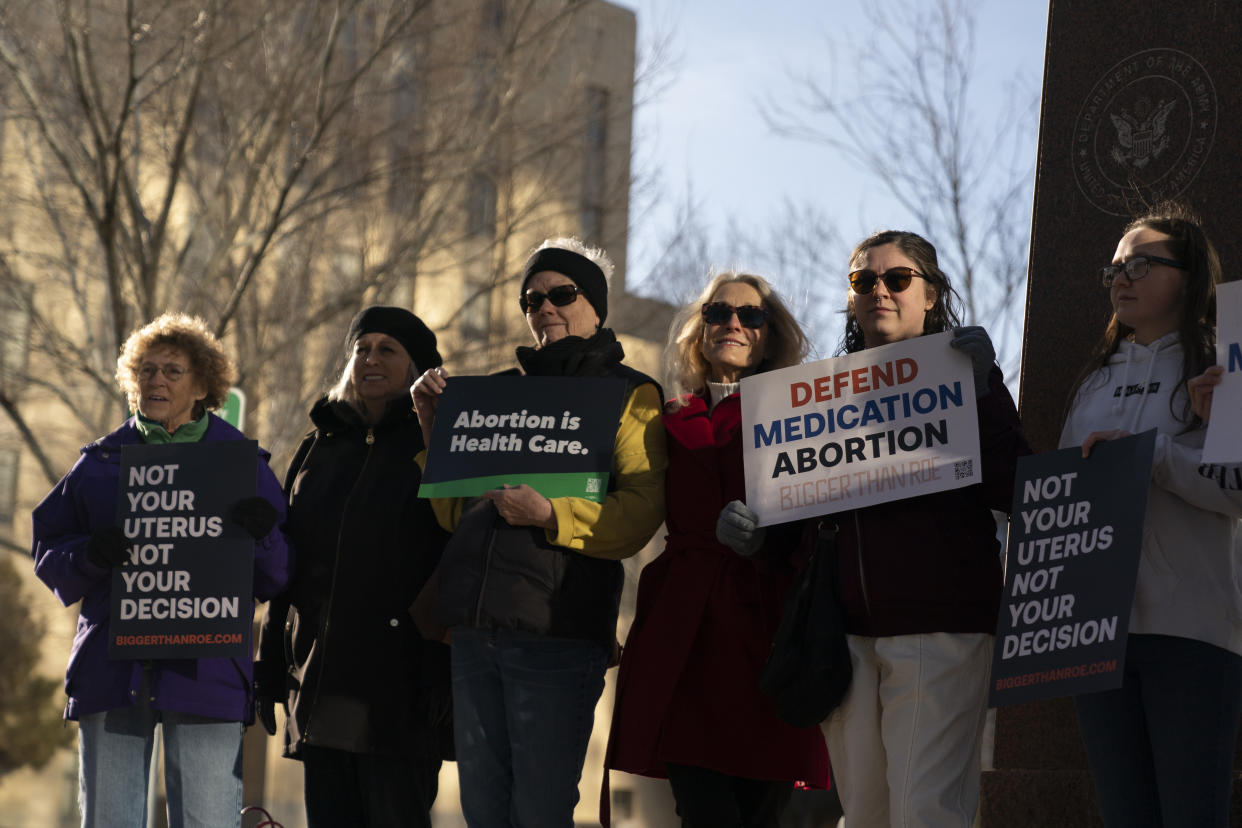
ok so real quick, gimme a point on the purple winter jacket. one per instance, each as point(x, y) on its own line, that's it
point(86, 499)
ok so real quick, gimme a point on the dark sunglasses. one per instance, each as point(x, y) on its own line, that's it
point(896, 279)
point(749, 316)
point(561, 295)
point(1135, 268)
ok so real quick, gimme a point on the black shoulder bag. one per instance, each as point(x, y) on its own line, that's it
point(808, 670)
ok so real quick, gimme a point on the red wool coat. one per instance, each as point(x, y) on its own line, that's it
point(688, 689)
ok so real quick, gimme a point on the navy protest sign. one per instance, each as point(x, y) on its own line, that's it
point(1072, 561)
point(185, 592)
point(554, 434)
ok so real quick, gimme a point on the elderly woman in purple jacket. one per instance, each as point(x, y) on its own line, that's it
point(173, 372)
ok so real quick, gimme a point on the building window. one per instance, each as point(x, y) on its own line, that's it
point(475, 317)
point(481, 206)
point(596, 139)
point(15, 322)
point(8, 484)
point(404, 143)
point(494, 16)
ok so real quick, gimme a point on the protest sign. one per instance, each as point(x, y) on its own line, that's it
point(1075, 538)
point(881, 424)
point(185, 592)
point(1223, 443)
point(554, 434)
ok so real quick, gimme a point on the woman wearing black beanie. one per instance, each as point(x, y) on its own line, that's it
point(527, 673)
point(366, 698)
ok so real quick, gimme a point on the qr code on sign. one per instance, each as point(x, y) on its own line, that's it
point(963, 469)
point(592, 486)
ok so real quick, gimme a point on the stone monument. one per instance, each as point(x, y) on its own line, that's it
point(1141, 102)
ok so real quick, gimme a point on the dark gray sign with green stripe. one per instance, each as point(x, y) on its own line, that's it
point(555, 434)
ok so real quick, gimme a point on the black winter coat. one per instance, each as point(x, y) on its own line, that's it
point(498, 576)
point(339, 640)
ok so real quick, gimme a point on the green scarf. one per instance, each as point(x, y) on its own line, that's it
point(153, 432)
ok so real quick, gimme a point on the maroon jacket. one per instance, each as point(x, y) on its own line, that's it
point(688, 689)
point(932, 563)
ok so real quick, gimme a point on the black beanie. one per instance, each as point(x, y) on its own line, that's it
point(585, 273)
point(417, 339)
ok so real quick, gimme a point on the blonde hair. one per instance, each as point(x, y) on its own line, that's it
point(344, 391)
point(191, 336)
point(686, 370)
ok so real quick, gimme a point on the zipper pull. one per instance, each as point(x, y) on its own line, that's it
point(370, 436)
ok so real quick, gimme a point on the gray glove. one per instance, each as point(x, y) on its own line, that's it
point(975, 343)
point(738, 528)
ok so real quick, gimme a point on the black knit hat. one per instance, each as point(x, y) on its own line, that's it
point(417, 339)
point(585, 273)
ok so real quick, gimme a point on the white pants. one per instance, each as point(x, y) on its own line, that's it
point(905, 742)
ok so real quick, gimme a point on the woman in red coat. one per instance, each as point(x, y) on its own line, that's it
point(688, 702)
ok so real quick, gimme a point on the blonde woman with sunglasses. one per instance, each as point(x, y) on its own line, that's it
point(688, 702)
point(919, 579)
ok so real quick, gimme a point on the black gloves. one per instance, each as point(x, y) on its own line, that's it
point(265, 711)
point(975, 343)
point(107, 547)
point(256, 515)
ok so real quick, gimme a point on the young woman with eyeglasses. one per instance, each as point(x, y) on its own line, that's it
point(688, 703)
point(919, 579)
point(1161, 747)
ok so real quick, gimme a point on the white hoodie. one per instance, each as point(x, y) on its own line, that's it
point(1190, 573)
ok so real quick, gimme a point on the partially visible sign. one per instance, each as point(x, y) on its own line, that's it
point(233, 411)
point(555, 434)
point(1075, 539)
point(881, 424)
point(185, 592)
point(1223, 443)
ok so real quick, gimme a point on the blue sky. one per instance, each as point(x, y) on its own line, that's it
point(704, 130)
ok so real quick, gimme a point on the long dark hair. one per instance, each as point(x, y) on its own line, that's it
point(1191, 246)
point(942, 316)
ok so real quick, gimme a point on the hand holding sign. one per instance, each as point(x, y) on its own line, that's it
point(107, 547)
point(1201, 388)
point(256, 515)
point(1101, 437)
point(974, 342)
point(522, 506)
point(425, 393)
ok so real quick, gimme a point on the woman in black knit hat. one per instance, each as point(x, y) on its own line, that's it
point(366, 698)
point(528, 670)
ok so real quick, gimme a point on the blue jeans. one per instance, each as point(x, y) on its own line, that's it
point(1161, 747)
point(523, 707)
point(202, 768)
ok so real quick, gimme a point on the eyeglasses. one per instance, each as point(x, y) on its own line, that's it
point(1135, 268)
point(896, 279)
point(748, 316)
point(561, 295)
point(170, 371)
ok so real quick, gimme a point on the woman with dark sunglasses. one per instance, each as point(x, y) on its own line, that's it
point(919, 579)
point(529, 651)
point(1161, 746)
point(688, 702)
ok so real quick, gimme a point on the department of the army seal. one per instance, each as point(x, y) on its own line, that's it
point(1144, 130)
